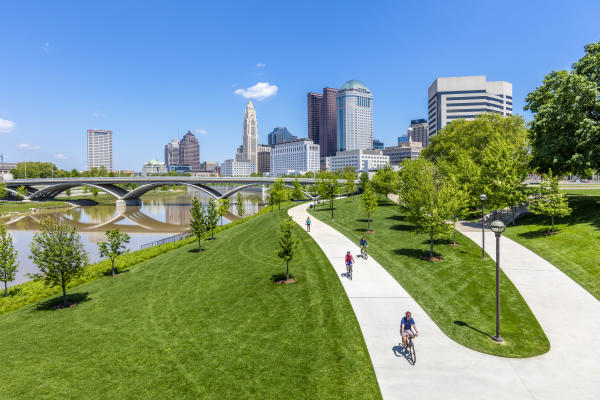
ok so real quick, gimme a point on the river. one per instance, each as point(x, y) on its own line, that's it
point(159, 216)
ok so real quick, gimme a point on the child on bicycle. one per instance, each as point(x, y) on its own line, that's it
point(349, 261)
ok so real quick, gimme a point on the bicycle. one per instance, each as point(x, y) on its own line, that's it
point(363, 253)
point(410, 350)
point(349, 270)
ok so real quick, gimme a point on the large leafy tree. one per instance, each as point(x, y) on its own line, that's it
point(198, 224)
point(115, 247)
point(58, 252)
point(548, 200)
point(385, 181)
point(8, 259)
point(287, 244)
point(279, 192)
point(350, 184)
point(297, 193)
point(565, 131)
point(364, 181)
point(369, 205)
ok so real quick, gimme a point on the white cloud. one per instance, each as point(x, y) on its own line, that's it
point(46, 47)
point(27, 146)
point(260, 65)
point(6, 125)
point(201, 131)
point(60, 156)
point(260, 91)
point(98, 114)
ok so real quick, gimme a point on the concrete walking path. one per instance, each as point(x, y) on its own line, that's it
point(445, 369)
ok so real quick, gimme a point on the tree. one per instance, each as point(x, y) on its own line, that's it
point(385, 181)
point(297, 192)
point(426, 196)
point(3, 191)
point(22, 191)
point(279, 192)
point(223, 208)
point(212, 217)
point(115, 247)
point(364, 181)
point(287, 244)
point(85, 190)
point(330, 189)
point(240, 208)
point(59, 254)
point(369, 204)
point(68, 193)
point(95, 191)
point(548, 200)
point(565, 130)
point(198, 221)
point(350, 184)
point(8, 259)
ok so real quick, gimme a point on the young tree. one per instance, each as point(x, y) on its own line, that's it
point(549, 201)
point(68, 193)
point(297, 193)
point(279, 192)
point(212, 217)
point(8, 259)
point(350, 184)
point(198, 221)
point(59, 254)
point(223, 208)
point(22, 191)
point(239, 205)
point(369, 204)
point(364, 181)
point(287, 243)
point(85, 190)
point(3, 191)
point(426, 196)
point(95, 191)
point(385, 181)
point(115, 247)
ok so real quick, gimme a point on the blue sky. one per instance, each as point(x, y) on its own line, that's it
point(151, 70)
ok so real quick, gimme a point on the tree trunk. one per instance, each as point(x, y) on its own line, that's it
point(287, 270)
point(431, 245)
point(64, 293)
point(212, 234)
point(279, 206)
point(552, 224)
point(513, 215)
point(454, 234)
point(5, 289)
point(199, 245)
point(112, 260)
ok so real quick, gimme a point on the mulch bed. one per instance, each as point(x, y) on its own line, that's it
point(551, 233)
point(454, 244)
point(63, 305)
point(367, 232)
point(432, 259)
point(286, 281)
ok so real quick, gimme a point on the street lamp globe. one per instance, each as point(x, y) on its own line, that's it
point(497, 227)
point(482, 197)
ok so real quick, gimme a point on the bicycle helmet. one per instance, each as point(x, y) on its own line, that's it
point(408, 313)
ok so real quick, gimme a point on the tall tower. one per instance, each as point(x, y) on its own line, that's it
point(100, 149)
point(250, 133)
point(354, 117)
point(314, 108)
point(328, 122)
point(189, 151)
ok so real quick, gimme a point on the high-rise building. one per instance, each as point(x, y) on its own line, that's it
point(378, 144)
point(250, 133)
point(296, 157)
point(189, 151)
point(418, 131)
point(280, 135)
point(100, 149)
point(264, 159)
point(313, 101)
point(465, 97)
point(404, 150)
point(354, 117)
point(172, 153)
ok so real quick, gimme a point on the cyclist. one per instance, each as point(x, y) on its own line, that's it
point(307, 224)
point(406, 326)
point(363, 246)
point(349, 261)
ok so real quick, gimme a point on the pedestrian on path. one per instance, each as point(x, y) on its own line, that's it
point(307, 224)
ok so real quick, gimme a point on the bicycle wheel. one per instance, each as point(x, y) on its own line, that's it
point(413, 355)
point(350, 272)
point(366, 255)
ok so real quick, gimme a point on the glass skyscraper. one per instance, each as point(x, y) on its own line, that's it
point(354, 117)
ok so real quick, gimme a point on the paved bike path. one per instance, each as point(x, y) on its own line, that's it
point(444, 369)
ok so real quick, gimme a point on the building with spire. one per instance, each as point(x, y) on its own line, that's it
point(250, 144)
point(189, 151)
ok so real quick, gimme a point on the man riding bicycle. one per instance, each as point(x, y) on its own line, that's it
point(349, 261)
point(363, 246)
point(406, 326)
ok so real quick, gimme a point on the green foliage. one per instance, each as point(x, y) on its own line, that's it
point(212, 217)
point(240, 208)
point(198, 223)
point(565, 131)
point(68, 192)
point(95, 191)
point(115, 247)
point(477, 153)
point(350, 184)
point(548, 200)
point(22, 191)
point(364, 181)
point(369, 204)
point(428, 198)
point(328, 188)
point(58, 253)
point(287, 243)
point(297, 192)
point(279, 192)
point(8, 259)
point(385, 181)
point(223, 208)
point(37, 169)
point(3, 191)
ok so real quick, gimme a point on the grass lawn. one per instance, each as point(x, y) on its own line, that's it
point(19, 206)
point(457, 293)
point(575, 250)
point(188, 325)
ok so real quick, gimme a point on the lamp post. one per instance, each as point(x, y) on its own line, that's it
point(497, 227)
point(483, 198)
point(331, 185)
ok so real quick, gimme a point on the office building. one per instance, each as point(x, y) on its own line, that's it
point(377, 144)
point(189, 151)
point(237, 168)
point(250, 140)
point(322, 120)
point(180, 169)
point(99, 149)
point(280, 135)
point(354, 117)
point(154, 167)
point(172, 153)
point(209, 166)
point(465, 97)
point(360, 159)
point(5, 168)
point(313, 101)
point(264, 159)
point(404, 150)
point(418, 131)
point(296, 157)
point(402, 139)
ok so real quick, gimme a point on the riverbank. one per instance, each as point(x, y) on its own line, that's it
point(21, 207)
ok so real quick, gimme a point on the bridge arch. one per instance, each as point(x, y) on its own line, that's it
point(49, 192)
point(239, 188)
point(137, 192)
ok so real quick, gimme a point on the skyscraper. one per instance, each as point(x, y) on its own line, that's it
point(418, 131)
point(250, 133)
point(313, 101)
point(280, 135)
point(189, 151)
point(465, 97)
point(328, 122)
point(354, 117)
point(172, 153)
point(100, 149)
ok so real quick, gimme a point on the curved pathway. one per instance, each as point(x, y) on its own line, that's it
point(445, 369)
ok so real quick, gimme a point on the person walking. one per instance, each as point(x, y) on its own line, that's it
point(307, 224)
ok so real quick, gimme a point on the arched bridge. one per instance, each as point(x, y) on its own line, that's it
point(44, 189)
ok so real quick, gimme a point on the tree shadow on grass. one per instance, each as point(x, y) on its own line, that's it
point(196, 250)
point(534, 234)
point(402, 227)
point(396, 217)
point(416, 253)
point(466, 325)
point(108, 272)
point(53, 303)
point(281, 276)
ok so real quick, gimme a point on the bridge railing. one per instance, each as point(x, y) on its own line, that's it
point(170, 239)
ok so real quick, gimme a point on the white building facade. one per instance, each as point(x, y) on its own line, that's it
point(295, 157)
point(100, 149)
point(354, 117)
point(250, 144)
point(237, 168)
point(361, 160)
point(154, 167)
point(465, 97)
point(397, 154)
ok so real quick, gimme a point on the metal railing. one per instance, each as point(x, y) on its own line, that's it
point(170, 239)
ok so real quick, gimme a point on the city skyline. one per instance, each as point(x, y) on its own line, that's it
point(65, 77)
